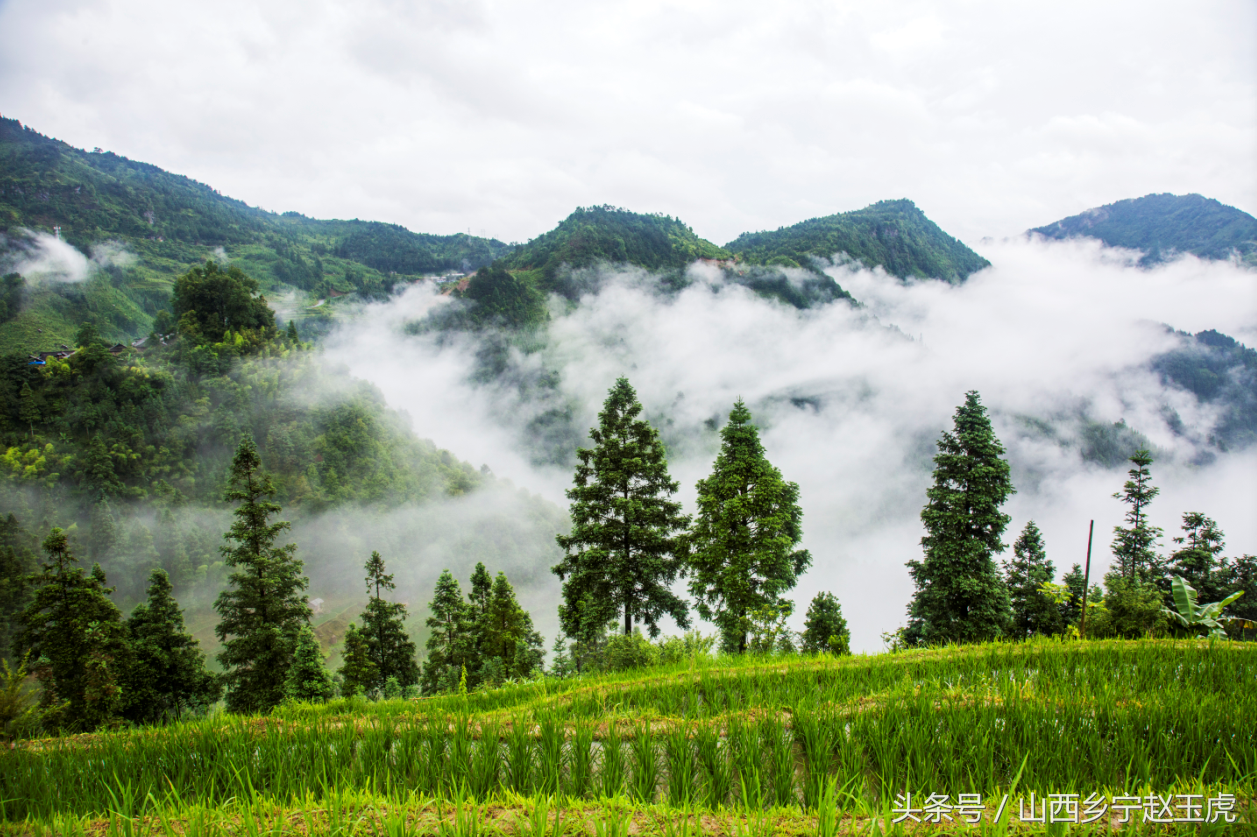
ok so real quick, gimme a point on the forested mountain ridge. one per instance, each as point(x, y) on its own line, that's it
point(894, 235)
point(168, 223)
point(1163, 225)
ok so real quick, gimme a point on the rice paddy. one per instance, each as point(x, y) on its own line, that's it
point(953, 740)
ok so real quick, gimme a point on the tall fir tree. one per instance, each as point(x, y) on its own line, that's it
point(824, 628)
point(448, 643)
point(74, 634)
point(627, 544)
point(166, 676)
point(1134, 545)
point(383, 625)
point(743, 557)
point(1033, 613)
point(17, 562)
point(510, 645)
point(307, 679)
point(960, 596)
point(358, 673)
point(265, 605)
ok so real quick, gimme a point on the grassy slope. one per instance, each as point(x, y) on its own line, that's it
point(169, 222)
point(894, 235)
point(701, 739)
point(1164, 224)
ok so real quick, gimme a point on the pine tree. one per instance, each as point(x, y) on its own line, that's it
point(743, 544)
point(1197, 559)
point(292, 335)
point(167, 675)
point(383, 625)
point(17, 562)
point(75, 633)
point(1134, 545)
point(28, 409)
point(357, 672)
point(626, 545)
point(825, 629)
point(960, 596)
point(264, 606)
point(1033, 613)
point(307, 679)
point(509, 637)
point(447, 644)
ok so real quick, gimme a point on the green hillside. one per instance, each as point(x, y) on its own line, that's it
point(167, 223)
point(893, 235)
point(1163, 225)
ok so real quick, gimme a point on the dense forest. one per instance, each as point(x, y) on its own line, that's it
point(1165, 225)
point(894, 235)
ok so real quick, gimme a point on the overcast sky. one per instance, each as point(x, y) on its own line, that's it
point(500, 118)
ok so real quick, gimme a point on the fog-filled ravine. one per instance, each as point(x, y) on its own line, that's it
point(1061, 339)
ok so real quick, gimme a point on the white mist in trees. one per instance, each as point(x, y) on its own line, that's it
point(627, 540)
point(960, 596)
point(265, 605)
point(743, 557)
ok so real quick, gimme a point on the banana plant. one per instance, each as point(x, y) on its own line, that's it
point(1190, 614)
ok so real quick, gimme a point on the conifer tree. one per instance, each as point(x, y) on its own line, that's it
point(265, 605)
point(383, 625)
point(167, 675)
point(1197, 559)
point(626, 545)
point(75, 632)
point(743, 544)
point(1134, 545)
point(1033, 613)
point(447, 644)
point(825, 629)
point(357, 672)
point(509, 637)
point(28, 410)
point(307, 679)
point(960, 596)
point(17, 563)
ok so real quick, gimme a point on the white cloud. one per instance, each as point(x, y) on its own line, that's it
point(735, 116)
point(849, 407)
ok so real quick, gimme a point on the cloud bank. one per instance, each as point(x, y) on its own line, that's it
point(1055, 337)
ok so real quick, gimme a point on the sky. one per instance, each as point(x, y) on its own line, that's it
point(500, 118)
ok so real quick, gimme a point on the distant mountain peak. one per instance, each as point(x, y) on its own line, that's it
point(1164, 225)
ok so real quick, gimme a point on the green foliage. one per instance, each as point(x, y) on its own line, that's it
point(598, 234)
point(894, 235)
point(75, 635)
point(1164, 225)
point(17, 562)
point(1194, 616)
point(628, 651)
point(508, 646)
point(383, 625)
point(448, 642)
point(626, 544)
point(1133, 608)
point(960, 596)
point(209, 302)
point(307, 680)
point(824, 628)
point(743, 556)
point(1134, 545)
point(167, 676)
point(1033, 613)
point(358, 673)
point(501, 298)
point(19, 716)
point(265, 605)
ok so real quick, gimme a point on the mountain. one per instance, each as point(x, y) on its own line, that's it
point(1164, 225)
point(894, 235)
point(168, 223)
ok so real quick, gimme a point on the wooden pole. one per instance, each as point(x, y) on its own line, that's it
point(1086, 582)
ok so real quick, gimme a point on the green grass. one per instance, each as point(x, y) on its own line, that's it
point(779, 745)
